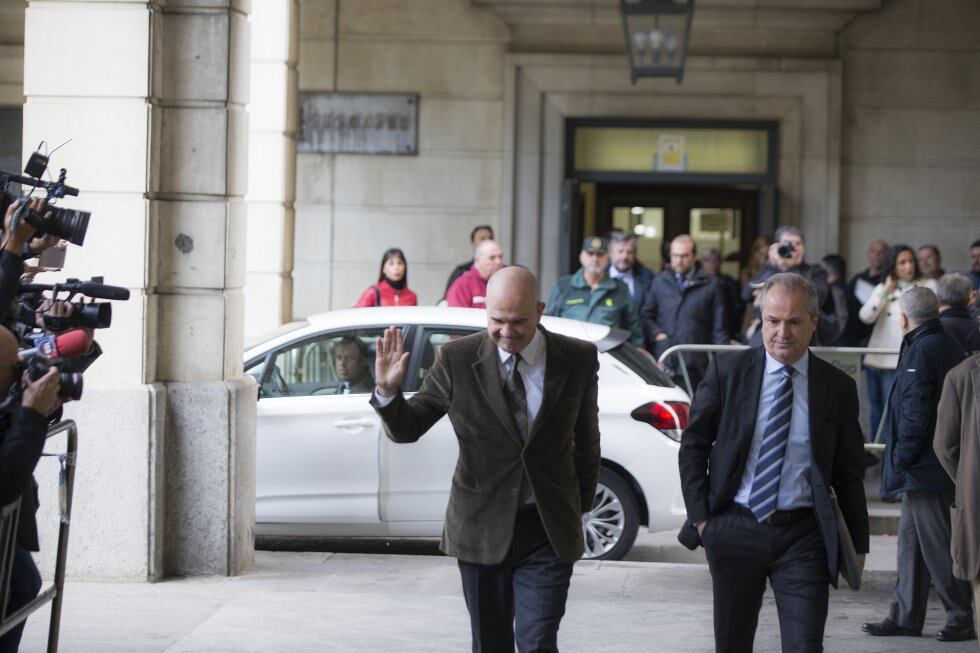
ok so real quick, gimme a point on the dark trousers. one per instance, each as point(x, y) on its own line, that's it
point(25, 583)
point(923, 555)
point(524, 595)
point(879, 384)
point(742, 553)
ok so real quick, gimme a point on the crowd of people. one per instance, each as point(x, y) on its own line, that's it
point(765, 489)
point(691, 301)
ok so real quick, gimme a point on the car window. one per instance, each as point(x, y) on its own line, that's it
point(335, 364)
point(433, 339)
point(256, 369)
point(642, 364)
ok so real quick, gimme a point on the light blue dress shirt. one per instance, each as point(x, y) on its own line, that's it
point(794, 478)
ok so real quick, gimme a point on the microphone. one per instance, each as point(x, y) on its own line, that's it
point(67, 345)
point(100, 290)
point(88, 288)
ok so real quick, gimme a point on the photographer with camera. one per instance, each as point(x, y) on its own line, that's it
point(22, 434)
point(18, 244)
point(787, 255)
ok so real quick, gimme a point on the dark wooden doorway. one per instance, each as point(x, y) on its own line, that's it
point(716, 212)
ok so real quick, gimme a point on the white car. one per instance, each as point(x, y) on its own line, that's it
point(326, 468)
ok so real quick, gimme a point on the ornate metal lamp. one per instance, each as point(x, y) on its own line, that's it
point(657, 33)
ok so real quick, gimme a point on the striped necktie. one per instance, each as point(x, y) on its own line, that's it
point(515, 393)
point(772, 451)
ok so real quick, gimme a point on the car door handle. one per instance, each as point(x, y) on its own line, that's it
point(354, 423)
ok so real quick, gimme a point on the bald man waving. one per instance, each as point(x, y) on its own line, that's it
point(522, 401)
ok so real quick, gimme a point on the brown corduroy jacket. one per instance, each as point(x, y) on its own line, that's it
point(957, 445)
point(559, 462)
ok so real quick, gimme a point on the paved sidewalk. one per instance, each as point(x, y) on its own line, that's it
point(300, 602)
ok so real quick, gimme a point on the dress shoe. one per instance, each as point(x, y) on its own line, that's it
point(889, 628)
point(956, 634)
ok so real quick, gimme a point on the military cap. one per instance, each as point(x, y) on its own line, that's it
point(595, 244)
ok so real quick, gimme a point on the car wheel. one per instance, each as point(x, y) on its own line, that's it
point(610, 527)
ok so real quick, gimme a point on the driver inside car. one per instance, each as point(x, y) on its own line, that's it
point(350, 359)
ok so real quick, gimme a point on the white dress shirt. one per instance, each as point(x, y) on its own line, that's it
point(794, 478)
point(626, 277)
point(532, 372)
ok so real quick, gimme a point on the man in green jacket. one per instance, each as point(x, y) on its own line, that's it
point(591, 295)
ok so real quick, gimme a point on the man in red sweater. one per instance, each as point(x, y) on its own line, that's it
point(470, 290)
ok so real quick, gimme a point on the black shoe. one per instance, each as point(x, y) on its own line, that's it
point(956, 634)
point(889, 628)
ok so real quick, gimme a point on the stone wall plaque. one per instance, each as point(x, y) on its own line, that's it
point(358, 123)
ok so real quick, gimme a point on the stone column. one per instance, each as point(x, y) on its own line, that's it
point(156, 112)
point(273, 123)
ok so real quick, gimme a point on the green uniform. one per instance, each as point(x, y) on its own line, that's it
point(609, 304)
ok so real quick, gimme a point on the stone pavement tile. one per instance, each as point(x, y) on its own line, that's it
point(299, 602)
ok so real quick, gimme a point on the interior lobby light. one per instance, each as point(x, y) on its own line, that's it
point(657, 34)
point(637, 210)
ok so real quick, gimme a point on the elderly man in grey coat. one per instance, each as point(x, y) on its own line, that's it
point(957, 445)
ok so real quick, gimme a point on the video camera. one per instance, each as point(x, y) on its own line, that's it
point(69, 224)
point(57, 331)
point(34, 306)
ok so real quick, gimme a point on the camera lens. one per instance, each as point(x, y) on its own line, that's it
point(786, 250)
point(70, 386)
point(94, 316)
point(69, 224)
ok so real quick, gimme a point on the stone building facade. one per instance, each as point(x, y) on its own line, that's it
point(184, 115)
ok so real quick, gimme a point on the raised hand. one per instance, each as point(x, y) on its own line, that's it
point(391, 362)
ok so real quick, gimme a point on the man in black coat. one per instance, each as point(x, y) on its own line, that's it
point(684, 307)
point(730, 291)
point(787, 254)
point(623, 265)
point(911, 470)
point(477, 236)
point(956, 295)
point(861, 285)
point(772, 430)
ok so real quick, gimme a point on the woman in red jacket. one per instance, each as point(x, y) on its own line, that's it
point(392, 287)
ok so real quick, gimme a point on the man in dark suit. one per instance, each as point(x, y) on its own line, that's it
point(623, 265)
point(772, 430)
point(523, 404)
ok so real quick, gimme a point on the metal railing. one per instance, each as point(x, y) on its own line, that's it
point(8, 531)
point(834, 355)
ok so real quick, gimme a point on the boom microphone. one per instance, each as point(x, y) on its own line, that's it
point(87, 288)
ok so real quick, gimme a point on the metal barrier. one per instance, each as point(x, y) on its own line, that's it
point(8, 516)
point(846, 359)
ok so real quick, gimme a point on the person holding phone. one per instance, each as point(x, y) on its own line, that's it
point(882, 311)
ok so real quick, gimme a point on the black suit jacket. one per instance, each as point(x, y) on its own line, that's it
point(716, 443)
point(559, 461)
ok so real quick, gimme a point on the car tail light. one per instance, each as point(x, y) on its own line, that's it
point(668, 416)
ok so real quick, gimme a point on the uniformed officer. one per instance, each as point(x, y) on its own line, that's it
point(591, 295)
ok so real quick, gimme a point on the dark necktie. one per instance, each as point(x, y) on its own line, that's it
point(772, 451)
point(516, 396)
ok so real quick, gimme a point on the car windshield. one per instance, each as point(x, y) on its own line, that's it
point(255, 341)
point(642, 364)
